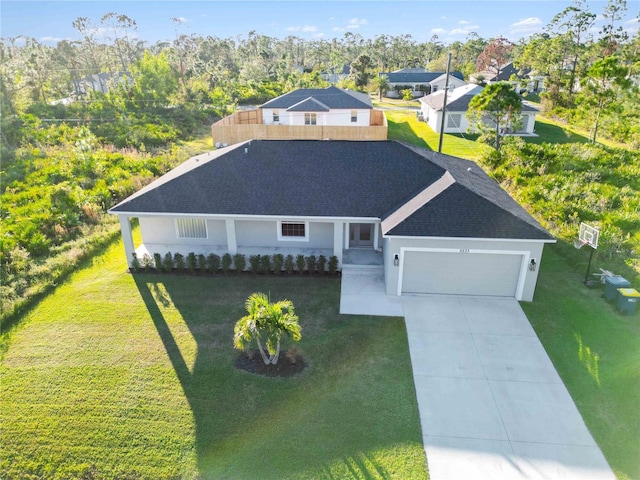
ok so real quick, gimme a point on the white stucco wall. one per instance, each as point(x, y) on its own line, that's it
point(163, 230)
point(265, 234)
point(331, 118)
point(392, 246)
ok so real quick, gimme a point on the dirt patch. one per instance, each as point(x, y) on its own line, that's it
point(287, 366)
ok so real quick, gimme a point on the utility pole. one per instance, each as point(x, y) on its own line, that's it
point(444, 105)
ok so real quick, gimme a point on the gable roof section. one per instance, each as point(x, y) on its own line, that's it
point(417, 77)
point(309, 105)
point(458, 100)
point(396, 183)
point(331, 97)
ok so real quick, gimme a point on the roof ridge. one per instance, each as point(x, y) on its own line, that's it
point(417, 202)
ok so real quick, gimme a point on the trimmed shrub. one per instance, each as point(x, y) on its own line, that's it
point(254, 261)
point(135, 264)
point(322, 264)
point(300, 261)
point(311, 264)
point(213, 263)
point(178, 258)
point(146, 262)
point(202, 263)
point(226, 262)
point(278, 261)
point(167, 262)
point(265, 264)
point(240, 262)
point(157, 261)
point(333, 265)
point(288, 264)
point(191, 262)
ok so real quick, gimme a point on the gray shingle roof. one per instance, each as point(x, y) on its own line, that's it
point(417, 77)
point(331, 97)
point(458, 100)
point(307, 178)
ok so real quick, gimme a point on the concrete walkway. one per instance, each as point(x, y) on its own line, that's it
point(491, 403)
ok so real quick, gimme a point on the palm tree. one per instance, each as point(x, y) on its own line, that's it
point(266, 322)
point(381, 83)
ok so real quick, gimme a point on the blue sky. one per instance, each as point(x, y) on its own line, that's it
point(50, 21)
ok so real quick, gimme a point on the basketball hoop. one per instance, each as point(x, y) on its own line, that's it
point(587, 235)
point(579, 244)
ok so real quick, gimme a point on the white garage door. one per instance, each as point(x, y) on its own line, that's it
point(461, 273)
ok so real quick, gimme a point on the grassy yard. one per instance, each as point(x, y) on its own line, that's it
point(131, 376)
point(405, 127)
point(596, 351)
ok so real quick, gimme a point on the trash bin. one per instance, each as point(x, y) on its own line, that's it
point(628, 299)
point(611, 286)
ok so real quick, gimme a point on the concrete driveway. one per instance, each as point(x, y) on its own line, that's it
point(492, 405)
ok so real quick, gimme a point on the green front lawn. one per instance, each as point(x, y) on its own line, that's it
point(596, 351)
point(132, 376)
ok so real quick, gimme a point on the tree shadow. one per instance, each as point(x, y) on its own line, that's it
point(550, 133)
point(246, 423)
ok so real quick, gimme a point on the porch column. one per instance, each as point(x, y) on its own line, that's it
point(338, 235)
point(376, 229)
point(346, 235)
point(127, 238)
point(232, 244)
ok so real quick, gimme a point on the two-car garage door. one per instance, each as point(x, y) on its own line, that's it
point(461, 272)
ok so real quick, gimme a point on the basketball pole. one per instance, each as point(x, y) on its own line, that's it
point(586, 275)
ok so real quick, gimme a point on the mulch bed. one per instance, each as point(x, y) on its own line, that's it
point(286, 367)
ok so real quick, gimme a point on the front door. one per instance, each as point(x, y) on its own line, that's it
point(360, 234)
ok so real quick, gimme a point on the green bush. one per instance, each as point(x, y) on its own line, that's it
point(300, 263)
point(322, 264)
point(146, 262)
point(213, 263)
point(135, 264)
point(289, 264)
point(202, 263)
point(265, 264)
point(333, 265)
point(226, 263)
point(192, 263)
point(157, 262)
point(167, 263)
point(254, 261)
point(240, 262)
point(311, 264)
point(278, 262)
point(178, 258)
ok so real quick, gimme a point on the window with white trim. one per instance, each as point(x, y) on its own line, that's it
point(454, 120)
point(276, 116)
point(293, 231)
point(354, 116)
point(191, 227)
point(310, 119)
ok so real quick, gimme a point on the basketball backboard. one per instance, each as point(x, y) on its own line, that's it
point(589, 235)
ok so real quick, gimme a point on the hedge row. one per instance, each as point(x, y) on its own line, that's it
point(212, 263)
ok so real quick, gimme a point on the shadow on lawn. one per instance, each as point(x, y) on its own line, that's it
point(247, 425)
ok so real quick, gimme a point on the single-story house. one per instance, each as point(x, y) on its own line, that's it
point(318, 106)
point(306, 114)
point(336, 74)
point(420, 81)
point(457, 107)
point(523, 79)
point(438, 224)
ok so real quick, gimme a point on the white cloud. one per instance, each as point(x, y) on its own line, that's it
point(464, 22)
point(466, 30)
point(438, 31)
point(303, 28)
point(526, 26)
point(633, 20)
point(358, 21)
point(50, 39)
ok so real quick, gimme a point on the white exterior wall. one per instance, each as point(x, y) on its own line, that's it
point(439, 83)
point(434, 119)
point(265, 234)
point(393, 246)
point(163, 230)
point(331, 118)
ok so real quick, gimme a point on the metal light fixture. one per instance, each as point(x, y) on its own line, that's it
point(396, 260)
point(532, 265)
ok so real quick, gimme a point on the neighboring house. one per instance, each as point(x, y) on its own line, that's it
point(307, 114)
point(435, 223)
point(457, 107)
point(336, 75)
point(522, 79)
point(420, 81)
point(100, 82)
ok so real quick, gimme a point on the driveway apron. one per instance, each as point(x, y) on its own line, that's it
point(492, 405)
